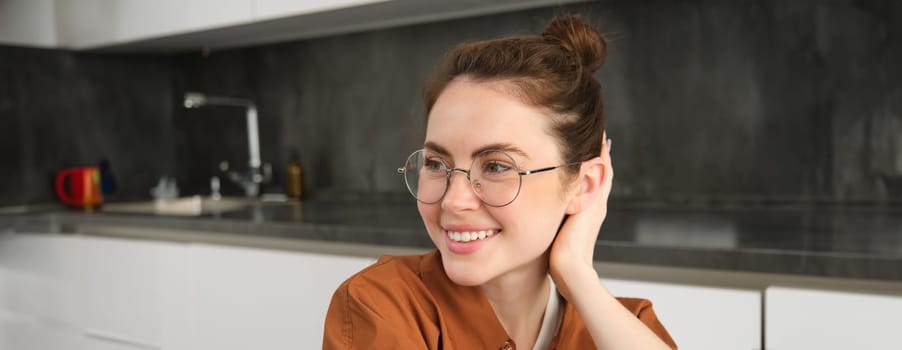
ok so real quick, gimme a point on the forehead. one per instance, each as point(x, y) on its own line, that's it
point(469, 115)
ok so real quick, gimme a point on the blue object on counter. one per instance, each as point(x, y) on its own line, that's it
point(107, 181)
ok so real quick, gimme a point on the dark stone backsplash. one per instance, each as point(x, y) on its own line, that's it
point(763, 99)
point(60, 109)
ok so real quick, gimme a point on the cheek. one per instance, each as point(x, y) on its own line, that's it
point(429, 213)
point(423, 209)
point(537, 214)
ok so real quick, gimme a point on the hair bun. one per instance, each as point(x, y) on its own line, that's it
point(578, 37)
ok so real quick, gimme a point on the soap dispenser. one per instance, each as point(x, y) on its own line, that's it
point(294, 172)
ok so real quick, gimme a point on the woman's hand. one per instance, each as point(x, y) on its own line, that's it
point(570, 263)
point(571, 253)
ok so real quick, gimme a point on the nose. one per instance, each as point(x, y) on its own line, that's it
point(459, 195)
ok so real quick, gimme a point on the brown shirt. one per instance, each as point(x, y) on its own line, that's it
point(407, 302)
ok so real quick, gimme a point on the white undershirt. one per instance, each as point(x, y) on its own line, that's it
point(551, 322)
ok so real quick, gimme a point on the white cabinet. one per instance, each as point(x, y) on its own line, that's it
point(268, 9)
point(78, 292)
point(27, 22)
point(98, 23)
point(141, 19)
point(700, 318)
point(93, 23)
point(132, 293)
point(119, 291)
point(819, 319)
point(85, 23)
point(173, 25)
point(85, 292)
point(263, 299)
point(37, 298)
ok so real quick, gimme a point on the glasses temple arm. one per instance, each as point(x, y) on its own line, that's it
point(528, 172)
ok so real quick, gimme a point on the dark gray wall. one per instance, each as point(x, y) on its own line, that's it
point(61, 109)
point(794, 99)
point(762, 98)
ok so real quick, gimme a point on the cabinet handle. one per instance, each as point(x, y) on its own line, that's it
point(115, 338)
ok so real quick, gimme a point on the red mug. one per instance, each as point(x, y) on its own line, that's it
point(82, 188)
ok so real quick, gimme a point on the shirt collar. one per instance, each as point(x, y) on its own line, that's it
point(551, 322)
point(470, 321)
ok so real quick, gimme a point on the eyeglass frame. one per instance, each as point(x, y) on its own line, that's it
point(450, 170)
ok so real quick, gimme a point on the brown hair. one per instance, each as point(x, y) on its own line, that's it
point(553, 71)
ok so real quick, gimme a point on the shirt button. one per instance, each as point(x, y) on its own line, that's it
point(507, 346)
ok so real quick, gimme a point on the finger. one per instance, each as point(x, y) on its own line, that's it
point(581, 228)
point(605, 144)
point(606, 158)
point(604, 140)
point(607, 182)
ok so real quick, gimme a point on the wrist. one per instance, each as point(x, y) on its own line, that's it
point(575, 278)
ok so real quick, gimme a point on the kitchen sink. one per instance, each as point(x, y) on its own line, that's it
point(184, 206)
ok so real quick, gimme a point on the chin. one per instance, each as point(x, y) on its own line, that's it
point(464, 273)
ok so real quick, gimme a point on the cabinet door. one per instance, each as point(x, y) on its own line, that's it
point(820, 319)
point(700, 317)
point(262, 299)
point(268, 9)
point(133, 293)
point(37, 303)
point(27, 23)
point(120, 291)
point(82, 292)
point(141, 19)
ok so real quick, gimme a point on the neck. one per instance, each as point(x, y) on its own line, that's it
point(519, 299)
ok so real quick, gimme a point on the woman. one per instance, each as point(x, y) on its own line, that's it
point(512, 185)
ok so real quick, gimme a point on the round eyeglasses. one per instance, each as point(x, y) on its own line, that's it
point(494, 176)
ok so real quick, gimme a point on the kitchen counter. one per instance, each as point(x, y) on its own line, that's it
point(826, 241)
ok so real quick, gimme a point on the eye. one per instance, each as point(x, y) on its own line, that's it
point(434, 164)
point(495, 167)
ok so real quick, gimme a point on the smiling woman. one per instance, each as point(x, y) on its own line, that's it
point(513, 263)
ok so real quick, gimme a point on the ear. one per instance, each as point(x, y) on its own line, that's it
point(590, 185)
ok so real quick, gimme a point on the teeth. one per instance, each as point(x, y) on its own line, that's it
point(470, 235)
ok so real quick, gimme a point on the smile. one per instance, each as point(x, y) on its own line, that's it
point(468, 236)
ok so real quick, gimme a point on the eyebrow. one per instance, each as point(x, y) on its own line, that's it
point(500, 146)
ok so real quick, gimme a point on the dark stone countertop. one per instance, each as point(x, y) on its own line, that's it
point(826, 241)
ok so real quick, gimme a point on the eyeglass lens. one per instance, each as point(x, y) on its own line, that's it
point(494, 177)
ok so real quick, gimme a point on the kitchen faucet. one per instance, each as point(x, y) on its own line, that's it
point(258, 173)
